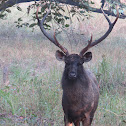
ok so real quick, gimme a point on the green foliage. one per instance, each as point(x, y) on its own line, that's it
point(7, 99)
point(110, 76)
point(59, 14)
point(19, 8)
point(112, 4)
point(111, 109)
point(4, 13)
point(29, 94)
point(32, 25)
point(103, 70)
point(2, 2)
point(8, 10)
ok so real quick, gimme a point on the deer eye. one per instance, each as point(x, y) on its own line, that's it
point(67, 63)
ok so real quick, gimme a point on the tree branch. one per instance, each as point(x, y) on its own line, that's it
point(122, 16)
point(10, 3)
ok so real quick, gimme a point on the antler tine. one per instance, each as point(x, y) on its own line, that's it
point(87, 47)
point(111, 25)
point(60, 46)
point(106, 16)
point(52, 39)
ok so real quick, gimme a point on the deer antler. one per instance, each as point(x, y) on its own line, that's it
point(86, 48)
point(111, 25)
point(52, 39)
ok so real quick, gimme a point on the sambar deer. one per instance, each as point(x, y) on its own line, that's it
point(80, 87)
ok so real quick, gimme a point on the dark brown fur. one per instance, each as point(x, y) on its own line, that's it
point(80, 94)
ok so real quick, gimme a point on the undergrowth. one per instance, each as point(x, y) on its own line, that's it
point(36, 100)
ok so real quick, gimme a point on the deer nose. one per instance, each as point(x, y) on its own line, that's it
point(72, 75)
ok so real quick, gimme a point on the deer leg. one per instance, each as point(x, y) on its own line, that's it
point(77, 123)
point(91, 117)
point(67, 123)
point(86, 121)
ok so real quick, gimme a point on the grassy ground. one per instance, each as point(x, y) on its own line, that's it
point(31, 94)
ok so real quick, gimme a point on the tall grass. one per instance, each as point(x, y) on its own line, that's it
point(109, 74)
point(36, 99)
point(29, 96)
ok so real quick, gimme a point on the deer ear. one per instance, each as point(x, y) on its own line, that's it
point(87, 57)
point(60, 55)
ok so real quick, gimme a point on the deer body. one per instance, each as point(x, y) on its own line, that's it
point(80, 87)
point(80, 97)
point(80, 90)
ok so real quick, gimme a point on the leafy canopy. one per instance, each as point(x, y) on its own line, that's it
point(61, 13)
